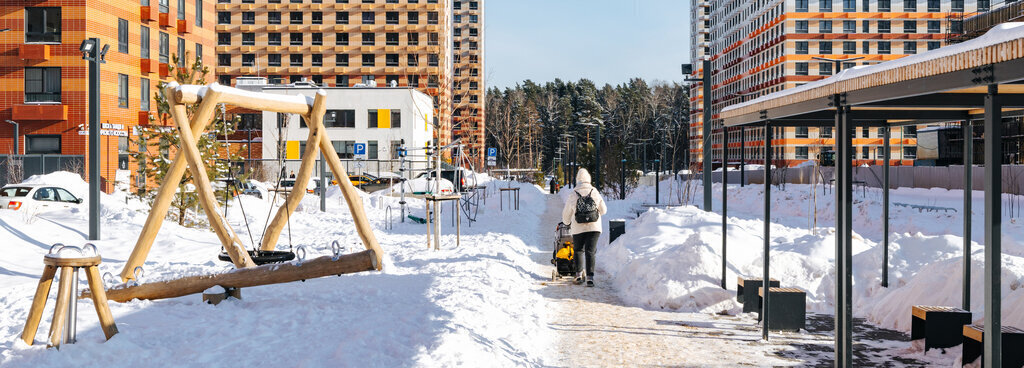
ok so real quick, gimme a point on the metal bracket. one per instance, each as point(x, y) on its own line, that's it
point(984, 74)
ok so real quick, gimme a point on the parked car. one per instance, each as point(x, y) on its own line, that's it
point(37, 197)
point(251, 188)
point(369, 183)
point(286, 185)
point(461, 185)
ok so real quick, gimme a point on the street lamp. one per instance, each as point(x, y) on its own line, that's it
point(706, 122)
point(96, 55)
point(16, 126)
point(597, 167)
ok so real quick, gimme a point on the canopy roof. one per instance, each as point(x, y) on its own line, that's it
point(945, 84)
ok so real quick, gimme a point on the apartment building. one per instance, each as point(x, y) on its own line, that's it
point(469, 89)
point(764, 46)
point(341, 43)
point(44, 83)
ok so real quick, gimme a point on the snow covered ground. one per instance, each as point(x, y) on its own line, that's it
point(427, 308)
point(671, 258)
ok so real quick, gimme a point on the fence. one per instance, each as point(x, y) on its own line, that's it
point(270, 169)
point(15, 168)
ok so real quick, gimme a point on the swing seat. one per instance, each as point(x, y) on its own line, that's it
point(262, 257)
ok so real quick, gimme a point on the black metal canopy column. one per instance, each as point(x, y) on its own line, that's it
point(993, 227)
point(743, 156)
point(968, 191)
point(766, 279)
point(725, 191)
point(844, 171)
point(885, 205)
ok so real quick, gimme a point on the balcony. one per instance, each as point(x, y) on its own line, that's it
point(147, 66)
point(39, 112)
point(34, 51)
point(147, 13)
point(143, 118)
point(165, 70)
point(184, 26)
point(165, 20)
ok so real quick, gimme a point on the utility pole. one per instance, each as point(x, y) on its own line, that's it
point(705, 125)
point(96, 55)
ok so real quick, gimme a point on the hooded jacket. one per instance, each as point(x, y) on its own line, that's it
point(583, 187)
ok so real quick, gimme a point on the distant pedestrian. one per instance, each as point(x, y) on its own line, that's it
point(292, 175)
point(583, 212)
point(553, 186)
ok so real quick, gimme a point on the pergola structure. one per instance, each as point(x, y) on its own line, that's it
point(981, 79)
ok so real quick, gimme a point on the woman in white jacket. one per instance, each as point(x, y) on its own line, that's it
point(585, 234)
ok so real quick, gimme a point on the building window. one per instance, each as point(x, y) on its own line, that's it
point(341, 39)
point(224, 39)
point(122, 36)
point(248, 18)
point(414, 17)
point(433, 19)
point(909, 152)
point(801, 5)
point(414, 60)
point(865, 27)
point(369, 39)
point(910, 26)
point(802, 48)
point(849, 47)
point(825, 47)
point(884, 5)
point(248, 60)
point(144, 42)
point(849, 26)
point(909, 5)
point(341, 17)
point(224, 80)
point(295, 39)
point(414, 39)
point(274, 17)
point(144, 94)
point(473, 32)
point(865, 153)
point(825, 132)
point(825, 68)
point(341, 60)
point(934, 26)
point(223, 59)
point(884, 47)
point(122, 91)
point(934, 6)
point(317, 60)
point(396, 118)
point(368, 18)
point(317, 18)
point(295, 60)
point(42, 85)
point(932, 45)
point(910, 131)
point(165, 6)
point(371, 118)
point(42, 144)
point(433, 39)
point(181, 52)
point(865, 132)
point(318, 39)
point(909, 47)
point(802, 68)
point(199, 13)
point(248, 39)
point(367, 79)
point(273, 60)
point(223, 17)
point(825, 26)
point(884, 26)
point(849, 5)
point(957, 6)
point(802, 153)
point(432, 60)
point(391, 18)
point(342, 81)
point(368, 60)
point(274, 39)
point(391, 60)
point(371, 150)
point(42, 25)
point(391, 39)
point(801, 26)
point(181, 9)
point(414, 81)
point(295, 18)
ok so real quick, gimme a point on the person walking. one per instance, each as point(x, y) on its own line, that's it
point(583, 210)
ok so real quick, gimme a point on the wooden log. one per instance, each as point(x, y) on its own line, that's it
point(289, 104)
point(99, 300)
point(316, 133)
point(247, 277)
point(60, 310)
point(35, 313)
point(355, 203)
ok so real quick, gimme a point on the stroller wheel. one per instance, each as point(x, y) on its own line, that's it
point(554, 275)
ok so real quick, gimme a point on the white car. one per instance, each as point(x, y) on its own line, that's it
point(37, 198)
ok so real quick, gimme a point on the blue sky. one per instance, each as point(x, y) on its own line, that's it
point(607, 41)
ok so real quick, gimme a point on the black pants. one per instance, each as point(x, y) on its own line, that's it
point(585, 243)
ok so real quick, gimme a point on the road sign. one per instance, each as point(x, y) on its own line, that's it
point(492, 152)
point(491, 161)
point(360, 150)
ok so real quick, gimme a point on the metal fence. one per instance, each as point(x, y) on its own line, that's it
point(16, 168)
point(270, 169)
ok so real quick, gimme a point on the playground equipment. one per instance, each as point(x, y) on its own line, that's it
point(312, 111)
point(62, 327)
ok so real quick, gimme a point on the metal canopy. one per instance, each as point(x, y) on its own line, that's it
point(976, 80)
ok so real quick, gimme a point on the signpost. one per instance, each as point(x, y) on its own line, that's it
point(492, 156)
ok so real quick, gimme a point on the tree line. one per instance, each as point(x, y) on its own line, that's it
point(544, 126)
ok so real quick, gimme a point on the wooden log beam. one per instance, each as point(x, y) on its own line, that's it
point(299, 104)
point(247, 277)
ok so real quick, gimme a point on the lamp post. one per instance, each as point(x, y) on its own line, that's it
point(705, 79)
point(597, 158)
point(96, 55)
point(14, 150)
point(622, 177)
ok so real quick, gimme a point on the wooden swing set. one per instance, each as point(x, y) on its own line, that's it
point(311, 109)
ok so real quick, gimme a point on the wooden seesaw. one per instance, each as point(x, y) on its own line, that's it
point(312, 110)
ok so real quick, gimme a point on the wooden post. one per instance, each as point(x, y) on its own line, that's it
point(99, 300)
point(316, 133)
point(35, 313)
point(61, 309)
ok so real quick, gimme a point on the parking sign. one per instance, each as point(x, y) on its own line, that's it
point(360, 150)
point(492, 152)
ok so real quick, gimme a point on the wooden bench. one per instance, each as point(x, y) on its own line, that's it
point(746, 289)
point(1012, 346)
point(788, 308)
point(939, 326)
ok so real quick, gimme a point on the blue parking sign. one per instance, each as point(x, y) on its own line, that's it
point(492, 152)
point(360, 149)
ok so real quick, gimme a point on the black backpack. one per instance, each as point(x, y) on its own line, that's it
point(586, 208)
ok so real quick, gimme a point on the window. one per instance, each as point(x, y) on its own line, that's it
point(341, 39)
point(825, 26)
point(295, 18)
point(368, 39)
point(884, 5)
point(144, 94)
point(984, 5)
point(274, 17)
point(802, 48)
point(223, 60)
point(884, 26)
point(248, 18)
point(341, 60)
point(274, 39)
point(342, 81)
point(224, 80)
point(909, 47)
point(801, 5)
point(909, 5)
point(368, 18)
point(866, 48)
point(144, 42)
point(295, 39)
point(473, 32)
point(199, 13)
point(934, 6)
point(317, 60)
point(396, 118)
point(825, 132)
point(371, 150)
point(957, 5)
point(865, 132)
point(801, 26)
point(849, 5)
point(909, 152)
point(825, 68)
point(865, 152)
point(457, 18)
point(865, 27)
point(295, 60)
point(42, 85)
point(865, 6)
point(341, 17)
point(42, 143)
point(473, 18)
point(248, 39)
point(802, 153)
point(122, 36)
point(910, 131)
point(371, 118)
point(318, 39)
point(849, 47)
point(122, 91)
point(367, 79)
point(934, 26)
point(432, 60)
point(432, 18)
point(274, 60)
point(884, 47)
point(199, 52)
point(223, 17)
point(165, 7)
point(181, 9)
point(42, 25)
point(433, 39)
point(848, 65)
point(181, 52)
point(223, 39)
point(414, 80)
point(414, 39)
point(932, 45)
point(391, 60)
point(391, 39)
point(802, 132)
point(248, 60)
point(849, 26)
point(801, 68)
point(391, 80)
point(414, 60)
point(391, 18)
point(910, 26)
point(414, 17)
point(368, 60)
point(317, 17)
point(250, 121)
point(825, 47)
point(432, 81)
point(345, 149)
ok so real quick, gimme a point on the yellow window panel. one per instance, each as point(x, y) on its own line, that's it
point(292, 150)
point(383, 118)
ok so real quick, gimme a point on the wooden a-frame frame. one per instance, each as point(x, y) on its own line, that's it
point(310, 109)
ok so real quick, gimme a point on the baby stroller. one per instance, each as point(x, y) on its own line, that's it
point(563, 256)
